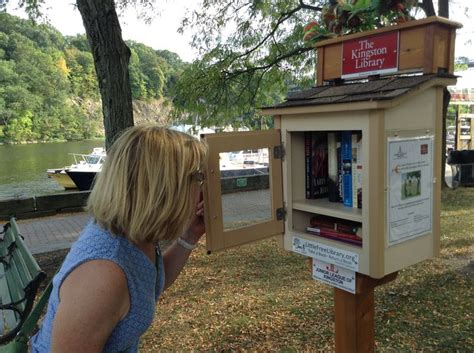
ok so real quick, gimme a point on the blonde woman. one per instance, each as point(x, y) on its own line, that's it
point(105, 293)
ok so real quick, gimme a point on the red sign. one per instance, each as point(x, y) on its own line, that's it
point(371, 55)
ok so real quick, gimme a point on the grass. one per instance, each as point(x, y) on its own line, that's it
point(262, 298)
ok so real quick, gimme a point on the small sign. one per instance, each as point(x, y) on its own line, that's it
point(329, 254)
point(334, 275)
point(241, 182)
point(410, 185)
point(371, 55)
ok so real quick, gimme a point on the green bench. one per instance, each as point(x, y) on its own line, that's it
point(20, 278)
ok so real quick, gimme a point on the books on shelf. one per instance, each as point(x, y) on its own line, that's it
point(334, 166)
point(336, 229)
point(316, 164)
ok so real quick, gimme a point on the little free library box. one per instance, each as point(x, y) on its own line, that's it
point(351, 174)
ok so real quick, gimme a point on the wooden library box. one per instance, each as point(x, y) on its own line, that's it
point(350, 175)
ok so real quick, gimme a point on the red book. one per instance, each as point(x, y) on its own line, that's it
point(333, 233)
point(342, 237)
point(335, 224)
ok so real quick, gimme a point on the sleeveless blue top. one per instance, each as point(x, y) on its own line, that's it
point(144, 282)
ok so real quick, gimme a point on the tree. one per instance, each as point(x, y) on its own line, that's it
point(111, 58)
point(253, 66)
point(265, 55)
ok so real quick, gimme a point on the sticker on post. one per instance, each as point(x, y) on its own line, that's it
point(334, 275)
point(329, 254)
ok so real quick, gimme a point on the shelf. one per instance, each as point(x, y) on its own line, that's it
point(327, 208)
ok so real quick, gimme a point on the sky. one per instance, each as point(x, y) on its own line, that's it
point(162, 32)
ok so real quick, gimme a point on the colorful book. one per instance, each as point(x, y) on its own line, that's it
point(336, 229)
point(356, 169)
point(339, 236)
point(316, 164)
point(346, 158)
point(319, 164)
point(336, 224)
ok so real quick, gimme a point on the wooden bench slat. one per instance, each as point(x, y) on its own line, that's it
point(24, 274)
point(8, 317)
point(30, 261)
point(14, 286)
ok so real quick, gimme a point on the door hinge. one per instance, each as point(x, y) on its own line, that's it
point(279, 152)
point(281, 214)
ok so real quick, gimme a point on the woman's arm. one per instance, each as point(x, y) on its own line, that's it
point(175, 256)
point(93, 299)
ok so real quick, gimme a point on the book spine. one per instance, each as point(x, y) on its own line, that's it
point(338, 227)
point(355, 166)
point(319, 163)
point(339, 167)
point(333, 192)
point(346, 157)
point(308, 166)
point(360, 162)
point(359, 185)
point(337, 238)
point(333, 233)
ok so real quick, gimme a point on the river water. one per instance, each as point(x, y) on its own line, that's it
point(23, 167)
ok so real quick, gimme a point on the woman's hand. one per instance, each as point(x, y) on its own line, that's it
point(196, 228)
point(176, 255)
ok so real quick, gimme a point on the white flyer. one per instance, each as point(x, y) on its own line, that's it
point(326, 253)
point(410, 188)
point(334, 275)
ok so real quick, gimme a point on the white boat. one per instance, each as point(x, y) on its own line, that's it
point(81, 173)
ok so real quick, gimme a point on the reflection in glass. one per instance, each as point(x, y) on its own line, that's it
point(245, 186)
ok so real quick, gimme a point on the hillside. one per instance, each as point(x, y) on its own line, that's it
point(49, 89)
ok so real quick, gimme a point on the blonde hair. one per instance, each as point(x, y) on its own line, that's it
point(146, 188)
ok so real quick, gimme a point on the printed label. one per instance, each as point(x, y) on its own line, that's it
point(329, 254)
point(334, 275)
point(370, 55)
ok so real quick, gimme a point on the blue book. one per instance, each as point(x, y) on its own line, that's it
point(346, 157)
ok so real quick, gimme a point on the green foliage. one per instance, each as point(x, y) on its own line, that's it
point(460, 67)
point(252, 67)
point(253, 52)
point(48, 84)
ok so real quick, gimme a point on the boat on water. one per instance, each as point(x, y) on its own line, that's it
point(84, 172)
point(81, 173)
point(60, 176)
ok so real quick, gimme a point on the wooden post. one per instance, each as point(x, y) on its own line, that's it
point(354, 315)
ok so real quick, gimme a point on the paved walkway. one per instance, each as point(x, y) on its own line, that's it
point(52, 233)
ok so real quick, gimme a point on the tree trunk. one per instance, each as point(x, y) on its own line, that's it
point(111, 57)
point(443, 8)
point(428, 7)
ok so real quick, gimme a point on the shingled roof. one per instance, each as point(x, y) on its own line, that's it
point(373, 90)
